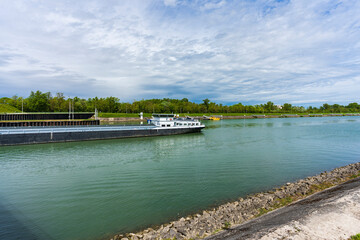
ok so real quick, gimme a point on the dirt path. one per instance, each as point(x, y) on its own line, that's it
point(331, 214)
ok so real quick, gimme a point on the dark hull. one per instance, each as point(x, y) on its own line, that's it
point(51, 137)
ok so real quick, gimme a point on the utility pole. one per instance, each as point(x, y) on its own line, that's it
point(22, 105)
point(69, 109)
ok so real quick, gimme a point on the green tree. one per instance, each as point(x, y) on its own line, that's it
point(287, 107)
point(206, 104)
point(269, 106)
point(39, 102)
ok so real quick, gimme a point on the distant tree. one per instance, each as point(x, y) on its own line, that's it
point(165, 106)
point(287, 107)
point(112, 104)
point(39, 102)
point(336, 108)
point(57, 103)
point(325, 107)
point(353, 106)
point(269, 106)
point(206, 104)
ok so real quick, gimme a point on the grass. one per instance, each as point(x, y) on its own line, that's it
point(319, 187)
point(226, 225)
point(216, 231)
point(263, 211)
point(355, 175)
point(5, 108)
point(282, 202)
point(355, 237)
point(235, 114)
point(115, 115)
point(250, 114)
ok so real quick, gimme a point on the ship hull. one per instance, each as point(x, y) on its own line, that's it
point(53, 135)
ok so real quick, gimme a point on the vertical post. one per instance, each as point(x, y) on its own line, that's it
point(69, 109)
point(22, 105)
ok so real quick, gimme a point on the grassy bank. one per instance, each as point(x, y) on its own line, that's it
point(121, 115)
point(5, 108)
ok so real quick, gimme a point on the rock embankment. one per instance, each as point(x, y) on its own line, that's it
point(233, 213)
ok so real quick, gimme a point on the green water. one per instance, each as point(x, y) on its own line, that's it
point(95, 189)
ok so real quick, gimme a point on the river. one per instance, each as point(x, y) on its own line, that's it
point(95, 189)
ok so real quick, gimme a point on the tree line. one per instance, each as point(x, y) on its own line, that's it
point(46, 102)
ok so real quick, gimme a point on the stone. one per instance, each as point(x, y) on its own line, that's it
point(149, 236)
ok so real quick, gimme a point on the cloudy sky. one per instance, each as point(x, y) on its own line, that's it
point(305, 52)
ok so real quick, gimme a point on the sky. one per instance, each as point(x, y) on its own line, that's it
point(304, 52)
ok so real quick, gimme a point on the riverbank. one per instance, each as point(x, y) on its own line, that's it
point(218, 219)
point(245, 116)
point(332, 214)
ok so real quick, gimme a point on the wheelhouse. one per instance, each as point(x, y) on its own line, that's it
point(171, 120)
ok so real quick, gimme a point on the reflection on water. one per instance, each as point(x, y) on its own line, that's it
point(93, 189)
point(11, 227)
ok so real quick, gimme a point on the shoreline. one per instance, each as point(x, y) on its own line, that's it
point(330, 214)
point(215, 220)
point(136, 119)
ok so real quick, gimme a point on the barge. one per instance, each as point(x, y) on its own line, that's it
point(159, 125)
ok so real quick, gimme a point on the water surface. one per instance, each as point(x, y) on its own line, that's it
point(94, 189)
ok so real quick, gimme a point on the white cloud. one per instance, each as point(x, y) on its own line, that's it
point(171, 3)
point(298, 51)
point(214, 5)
